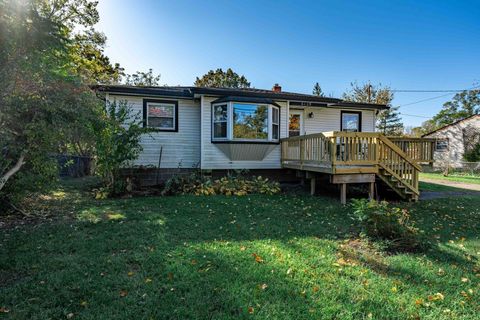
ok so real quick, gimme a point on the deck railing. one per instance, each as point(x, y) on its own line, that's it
point(395, 160)
point(419, 149)
point(351, 148)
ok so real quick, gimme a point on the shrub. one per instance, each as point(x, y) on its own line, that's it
point(380, 221)
point(230, 185)
point(118, 144)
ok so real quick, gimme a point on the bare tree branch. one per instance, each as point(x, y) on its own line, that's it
point(12, 171)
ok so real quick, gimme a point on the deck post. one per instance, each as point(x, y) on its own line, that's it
point(313, 183)
point(371, 192)
point(343, 193)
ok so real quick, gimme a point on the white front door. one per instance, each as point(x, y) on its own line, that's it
point(295, 123)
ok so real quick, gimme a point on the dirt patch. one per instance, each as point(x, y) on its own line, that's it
point(464, 189)
point(454, 184)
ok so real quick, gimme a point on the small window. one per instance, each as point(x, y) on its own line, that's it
point(351, 121)
point(220, 119)
point(294, 124)
point(275, 123)
point(441, 145)
point(161, 115)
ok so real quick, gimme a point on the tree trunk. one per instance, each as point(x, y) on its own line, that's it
point(12, 171)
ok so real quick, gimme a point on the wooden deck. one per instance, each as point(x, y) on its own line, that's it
point(395, 160)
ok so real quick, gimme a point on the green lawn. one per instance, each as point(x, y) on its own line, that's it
point(452, 177)
point(251, 257)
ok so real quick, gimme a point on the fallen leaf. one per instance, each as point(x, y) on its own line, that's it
point(464, 279)
point(250, 310)
point(436, 296)
point(123, 293)
point(148, 280)
point(4, 310)
point(83, 303)
point(258, 259)
point(131, 273)
point(70, 315)
point(243, 248)
point(264, 286)
point(419, 302)
point(315, 289)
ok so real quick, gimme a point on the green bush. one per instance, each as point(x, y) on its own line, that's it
point(229, 185)
point(380, 221)
point(473, 155)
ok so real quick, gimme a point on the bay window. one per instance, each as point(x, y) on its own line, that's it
point(235, 121)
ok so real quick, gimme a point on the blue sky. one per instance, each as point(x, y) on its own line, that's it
point(431, 45)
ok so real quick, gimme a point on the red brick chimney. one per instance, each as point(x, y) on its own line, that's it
point(277, 88)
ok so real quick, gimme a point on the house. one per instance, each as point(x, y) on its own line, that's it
point(453, 140)
point(263, 131)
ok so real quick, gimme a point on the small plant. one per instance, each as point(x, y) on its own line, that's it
point(380, 221)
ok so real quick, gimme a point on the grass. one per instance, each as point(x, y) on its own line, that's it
point(251, 257)
point(474, 179)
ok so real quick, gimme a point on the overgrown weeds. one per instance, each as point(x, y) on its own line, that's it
point(380, 221)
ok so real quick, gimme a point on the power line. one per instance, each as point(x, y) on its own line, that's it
point(433, 98)
point(427, 91)
point(414, 115)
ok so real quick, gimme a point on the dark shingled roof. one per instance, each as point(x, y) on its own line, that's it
point(189, 92)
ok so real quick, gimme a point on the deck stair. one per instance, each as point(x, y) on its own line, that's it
point(394, 161)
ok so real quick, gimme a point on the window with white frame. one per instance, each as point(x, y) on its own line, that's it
point(220, 118)
point(161, 115)
point(275, 123)
point(235, 121)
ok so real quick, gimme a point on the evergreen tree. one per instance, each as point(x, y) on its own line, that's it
point(317, 90)
point(389, 122)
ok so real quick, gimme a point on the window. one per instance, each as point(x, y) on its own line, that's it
point(250, 121)
point(441, 145)
point(295, 124)
point(351, 121)
point(275, 123)
point(235, 121)
point(161, 115)
point(220, 117)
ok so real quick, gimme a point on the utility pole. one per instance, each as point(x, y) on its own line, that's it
point(369, 92)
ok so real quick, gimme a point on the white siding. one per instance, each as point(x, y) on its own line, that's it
point(180, 149)
point(328, 119)
point(213, 158)
point(191, 146)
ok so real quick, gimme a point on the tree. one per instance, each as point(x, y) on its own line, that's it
point(146, 79)
point(388, 121)
point(41, 94)
point(222, 79)
point(463, 105)
point(317, 90)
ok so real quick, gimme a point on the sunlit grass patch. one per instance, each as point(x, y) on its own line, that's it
point(251, 257)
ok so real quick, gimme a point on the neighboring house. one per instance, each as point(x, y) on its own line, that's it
point(267, 132)
point(453, 140)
